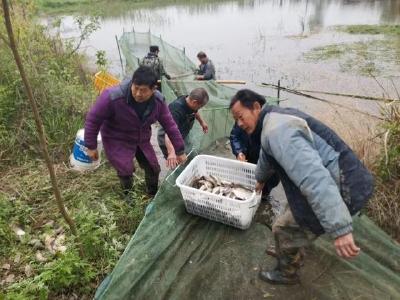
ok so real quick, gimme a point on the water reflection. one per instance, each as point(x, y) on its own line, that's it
point(314, 12)
point(254, 40)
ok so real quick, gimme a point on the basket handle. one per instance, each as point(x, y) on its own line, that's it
point(181, 165)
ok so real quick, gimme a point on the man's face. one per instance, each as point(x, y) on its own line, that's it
point(246, 118)
point(203, 60)
point(142, 93)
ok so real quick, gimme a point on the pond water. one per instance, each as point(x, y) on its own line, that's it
point(257, 41)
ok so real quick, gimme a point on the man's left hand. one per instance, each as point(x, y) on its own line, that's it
point(205, 127)
point(345, 246)
point(172, 161)
point(181, 158)
point(259, 187)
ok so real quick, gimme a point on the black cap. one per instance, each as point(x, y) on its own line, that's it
point(154, 48)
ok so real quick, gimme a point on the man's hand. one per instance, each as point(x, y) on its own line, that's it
point(345, 246)
point(172, 161)
point(259, 187)
point(241, 157)
point(199, 77)
point(204, 125)
point(181, 158)
point(93, 154)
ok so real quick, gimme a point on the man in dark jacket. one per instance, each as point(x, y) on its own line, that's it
point(206, 69)
point(155, 63)
point(324, 182)
point(184, 110)
point(124, 114)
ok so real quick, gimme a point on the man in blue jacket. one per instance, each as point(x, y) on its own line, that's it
point(247, 148)
point(324, 182)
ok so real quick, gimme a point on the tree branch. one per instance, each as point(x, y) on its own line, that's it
point(39, 123)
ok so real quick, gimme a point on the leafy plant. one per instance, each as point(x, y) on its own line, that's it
point(101, 59)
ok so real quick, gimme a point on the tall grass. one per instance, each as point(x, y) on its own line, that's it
point(385, 207)
point(63, 92)
point(62, 89)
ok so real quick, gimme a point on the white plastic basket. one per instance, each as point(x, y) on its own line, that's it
point(219, 208)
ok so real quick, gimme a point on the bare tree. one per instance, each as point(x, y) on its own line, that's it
point(38, 121)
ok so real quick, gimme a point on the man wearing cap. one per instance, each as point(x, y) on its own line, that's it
point(153, 61)
point(206, 69)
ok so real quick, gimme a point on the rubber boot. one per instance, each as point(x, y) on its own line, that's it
point(298, 260)
point(151, 180)
point(286, 270)
point(126, 186)
point(284, 273)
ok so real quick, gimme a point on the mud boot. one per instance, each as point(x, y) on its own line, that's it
point(297, 259)
point(271, 251)
point(266, 198)
point(286, 270)
point(126, 186)
point(151, 184)
point(278, 276)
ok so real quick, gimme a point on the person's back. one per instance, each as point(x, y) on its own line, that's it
point(152, 61)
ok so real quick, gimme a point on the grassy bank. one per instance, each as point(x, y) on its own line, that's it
point(371, 29)
point(114, 8)
point(385, 207)
point(38, 255)
point(61, 6)
point(61, 86)
point(44, 260)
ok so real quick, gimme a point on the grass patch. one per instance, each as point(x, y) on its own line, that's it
point(384, 209)
point(376, 57)
point(104, 221)
point(69, 6)
point(334, 51)
point(112, 8)
point(38, 255)
point(371, 29)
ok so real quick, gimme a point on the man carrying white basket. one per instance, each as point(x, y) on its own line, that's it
point(324, 182)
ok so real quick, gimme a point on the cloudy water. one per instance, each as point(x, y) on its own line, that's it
point(257, 41)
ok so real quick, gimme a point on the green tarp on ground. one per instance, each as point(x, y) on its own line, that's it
point(174, 255)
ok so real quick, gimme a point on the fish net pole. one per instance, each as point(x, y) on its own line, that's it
point(334, 94)
point(119, 52)
point(296, 92)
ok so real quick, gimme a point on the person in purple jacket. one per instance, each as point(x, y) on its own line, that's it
point(124, 114)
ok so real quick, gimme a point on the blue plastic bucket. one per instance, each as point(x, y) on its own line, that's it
point(79, 159)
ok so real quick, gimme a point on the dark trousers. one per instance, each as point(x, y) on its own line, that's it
point(150, 175)
point(272, 182)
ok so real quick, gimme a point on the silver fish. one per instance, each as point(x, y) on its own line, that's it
point(203, 188)
point(216, 180)
point(216, 190)
point(215, 185)
point(241, 193)
point(210, 179)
